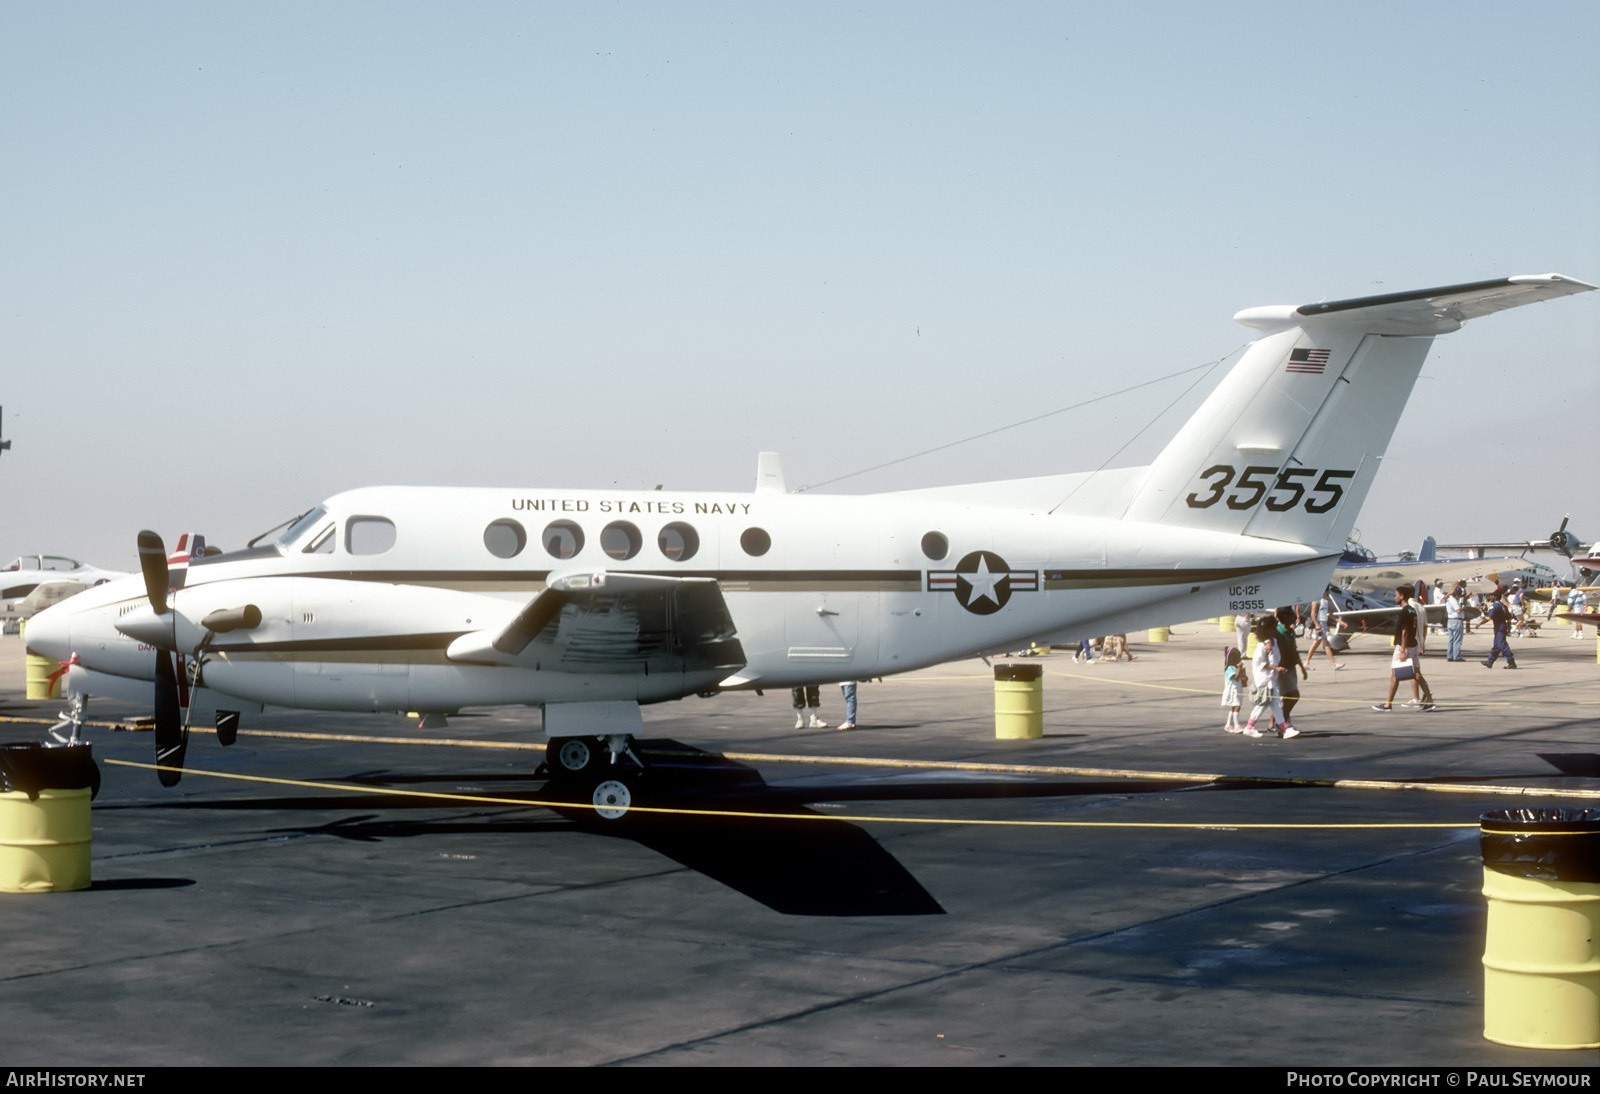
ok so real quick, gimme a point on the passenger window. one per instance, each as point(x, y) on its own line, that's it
point(505, 538)
point(755, 542)
point(679, 542)
point(368, 535)
point(563, 539)
point(620, 540)
point(935, 546)
point(321, 543)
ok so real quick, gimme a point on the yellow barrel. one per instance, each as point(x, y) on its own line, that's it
point(44, 816)
point(44, 677)
point(1541, 955)
point(1250, 645)
point(1224, 624)
point(1160, 634)
point(44, 844)
point(1018, 702)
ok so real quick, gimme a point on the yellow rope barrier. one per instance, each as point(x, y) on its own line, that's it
point(1224, 826)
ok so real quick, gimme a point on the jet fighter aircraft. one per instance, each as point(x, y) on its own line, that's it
point(590, 603)
point(32, 582)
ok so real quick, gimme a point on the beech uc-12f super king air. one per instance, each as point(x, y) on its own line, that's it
point(590, 603)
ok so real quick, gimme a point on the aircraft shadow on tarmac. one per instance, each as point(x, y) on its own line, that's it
point(1578, 764)
point(821, 867)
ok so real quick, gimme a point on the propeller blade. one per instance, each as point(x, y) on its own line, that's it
point(172, 736)
point(153, 564)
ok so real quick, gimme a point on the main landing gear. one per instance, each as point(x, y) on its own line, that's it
point(606, 767)
point(589, 754)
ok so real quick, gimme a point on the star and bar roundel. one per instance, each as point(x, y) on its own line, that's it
point(983, 582)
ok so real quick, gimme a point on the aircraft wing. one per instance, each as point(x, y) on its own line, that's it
point(1381, 620)
point(614, 623)
point(1388, 575)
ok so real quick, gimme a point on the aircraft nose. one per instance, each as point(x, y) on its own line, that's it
point(49, 633)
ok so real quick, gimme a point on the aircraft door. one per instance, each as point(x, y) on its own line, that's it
point(823, 628)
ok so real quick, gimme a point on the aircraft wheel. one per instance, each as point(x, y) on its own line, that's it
point(612, 800)
point(568, 757)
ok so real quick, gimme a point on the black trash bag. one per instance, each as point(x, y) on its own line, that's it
point(30, 767)
point(1542, 843)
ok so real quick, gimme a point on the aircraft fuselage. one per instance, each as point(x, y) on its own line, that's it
point(820, 588)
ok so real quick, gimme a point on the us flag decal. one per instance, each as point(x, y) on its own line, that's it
point(1307, 360)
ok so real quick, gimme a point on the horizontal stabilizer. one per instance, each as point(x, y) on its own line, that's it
point(1421, 311)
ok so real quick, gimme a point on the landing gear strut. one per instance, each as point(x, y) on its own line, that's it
point(71, 720)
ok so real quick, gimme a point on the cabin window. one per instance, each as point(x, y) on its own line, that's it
point(563, 539)
point(505, 538)
point(620, 540)
point(755, 542)
point(306, 521)
point(321, 543)
point(368, 535)
point(678, 541)
point(935, 546)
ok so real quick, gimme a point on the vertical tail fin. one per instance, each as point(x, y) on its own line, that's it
point(1288, 444)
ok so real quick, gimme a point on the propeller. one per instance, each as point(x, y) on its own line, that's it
point(153, 564)
point(1563, 541)
point(172, 734)
point(160, 628)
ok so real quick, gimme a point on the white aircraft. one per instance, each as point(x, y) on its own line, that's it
point(1371, 574)
point(32, 582)
point(590, 603)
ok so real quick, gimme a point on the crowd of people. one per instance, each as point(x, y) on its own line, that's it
point(1267, 672)
point(1269, 677)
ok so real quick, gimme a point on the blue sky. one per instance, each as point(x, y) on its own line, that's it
point(256, 254)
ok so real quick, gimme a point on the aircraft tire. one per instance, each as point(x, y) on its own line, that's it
point(573, 757)
point(613, 800)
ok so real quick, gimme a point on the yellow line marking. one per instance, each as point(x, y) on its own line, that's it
point(742, 814)
point(1198, 777)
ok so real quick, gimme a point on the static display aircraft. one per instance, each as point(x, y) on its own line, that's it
point(1561, 541)
point(591, 603)
point(1370, 574)
point(33, 582)
point(1365, 613)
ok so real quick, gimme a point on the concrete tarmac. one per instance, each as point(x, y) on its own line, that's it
point(245, 923)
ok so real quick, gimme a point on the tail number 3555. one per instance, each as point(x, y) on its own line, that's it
point(1293, 489)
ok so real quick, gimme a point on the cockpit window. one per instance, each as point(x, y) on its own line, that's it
point(302, 526)
point(368, 535)
point(321, 543)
